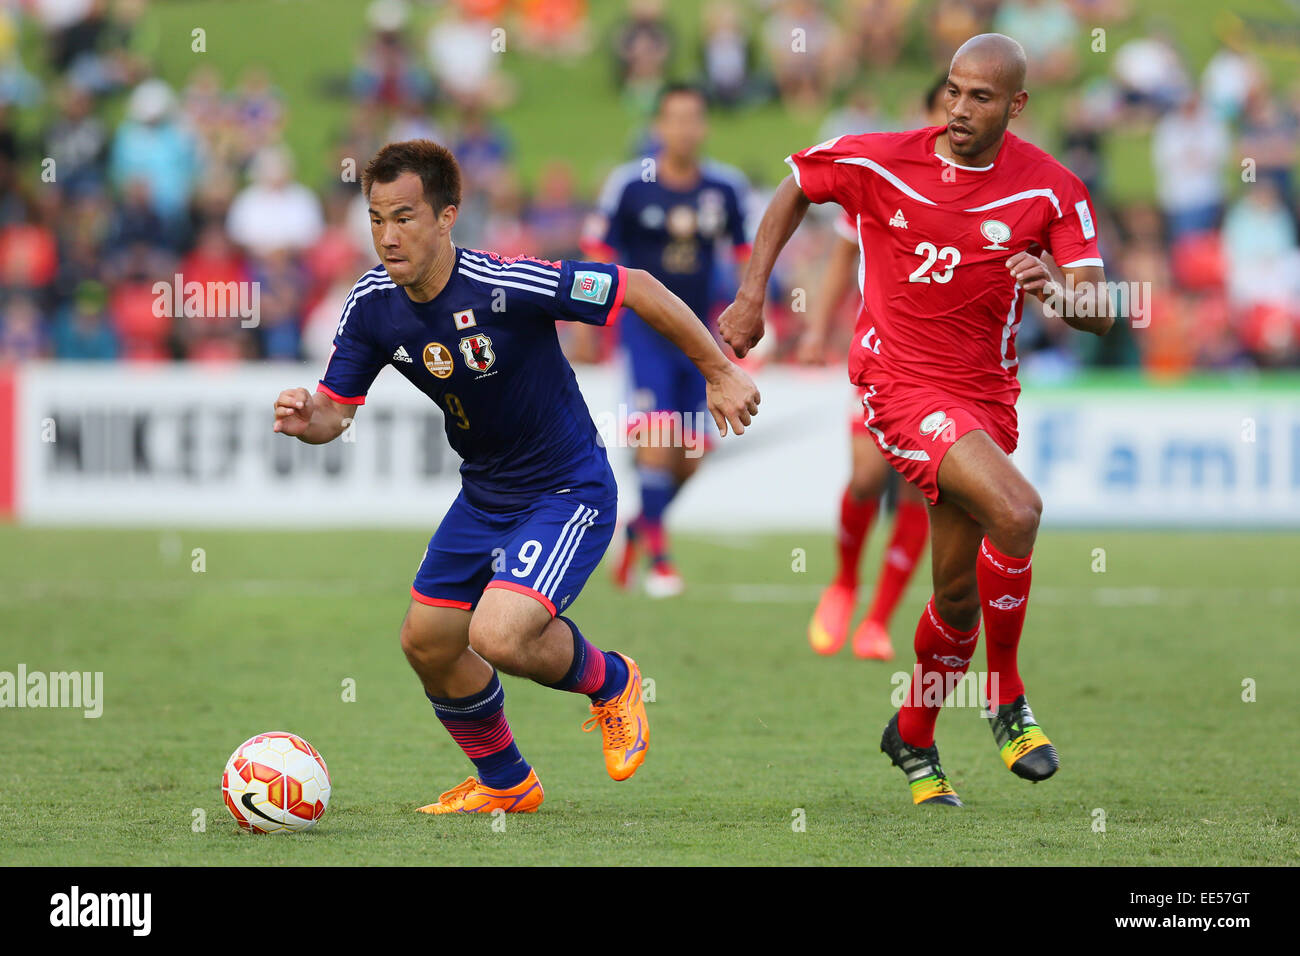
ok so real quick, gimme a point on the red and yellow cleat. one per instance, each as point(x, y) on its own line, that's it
point(624, 729)
point(871, 642)
point(829, 627)
point(473, 797)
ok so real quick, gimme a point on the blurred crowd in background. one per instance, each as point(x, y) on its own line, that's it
point(196, 181)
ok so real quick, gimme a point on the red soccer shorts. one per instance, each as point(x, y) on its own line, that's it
point(915, 425)
point(857, 426)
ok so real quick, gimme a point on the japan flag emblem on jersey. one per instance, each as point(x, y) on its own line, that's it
point(477, 350)
point(464, 319)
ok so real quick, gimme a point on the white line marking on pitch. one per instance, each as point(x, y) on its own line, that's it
point(1137, 596)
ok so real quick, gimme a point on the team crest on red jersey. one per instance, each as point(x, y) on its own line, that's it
point(996, 232)
point(477, 350)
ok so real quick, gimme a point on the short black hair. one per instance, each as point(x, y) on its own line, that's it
point(435, 165)
point(933, 92)
point(677, 88)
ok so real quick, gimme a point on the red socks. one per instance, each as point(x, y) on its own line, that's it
point(911, 529)
point(942, 656)
point(943, 653)
point(653, 537)
point(855, 522)
point(1004, 593)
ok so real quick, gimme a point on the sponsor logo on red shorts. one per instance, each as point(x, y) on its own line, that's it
point(939, 425)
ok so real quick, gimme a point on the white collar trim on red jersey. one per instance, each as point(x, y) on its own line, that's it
point(973, 169)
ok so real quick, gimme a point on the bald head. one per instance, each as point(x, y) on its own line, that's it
point(998, 59)
point(984, 93)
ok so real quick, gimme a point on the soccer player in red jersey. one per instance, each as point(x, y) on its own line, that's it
point(829, 627)
point(953, 220)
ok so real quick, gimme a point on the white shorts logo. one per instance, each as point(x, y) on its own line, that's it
point(938, 424)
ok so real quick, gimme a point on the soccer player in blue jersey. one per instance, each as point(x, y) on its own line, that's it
point(669, 214)
point(475, 332)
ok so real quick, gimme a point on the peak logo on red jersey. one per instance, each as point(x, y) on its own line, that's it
point(477, 350)
point(897, 220)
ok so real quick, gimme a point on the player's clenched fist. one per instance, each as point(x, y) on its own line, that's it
point(741, 325)
point(733, 399)
point(292, 411)
point(1032, 275)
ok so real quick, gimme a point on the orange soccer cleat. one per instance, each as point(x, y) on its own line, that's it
point(829, 627)
point(624, 729)
point(871, 642)
point(472, 797)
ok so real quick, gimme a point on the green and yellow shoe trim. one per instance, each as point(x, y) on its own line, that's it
point(927, 788)
point(1031, 738)
point(1023, 746)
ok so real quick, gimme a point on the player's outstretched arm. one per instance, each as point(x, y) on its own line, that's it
point(1064, 291)
point(732, 396)
point(311, 417)
point(741, 325)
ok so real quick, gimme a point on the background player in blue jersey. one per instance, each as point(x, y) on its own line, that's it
point(476, 333)
point(670, 216)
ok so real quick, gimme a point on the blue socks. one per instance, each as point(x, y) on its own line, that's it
point(598, 674)
point(478, 724)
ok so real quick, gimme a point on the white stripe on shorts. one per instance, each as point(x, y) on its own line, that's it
point(559, 544)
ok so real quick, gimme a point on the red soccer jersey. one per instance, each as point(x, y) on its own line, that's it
point(939, 306)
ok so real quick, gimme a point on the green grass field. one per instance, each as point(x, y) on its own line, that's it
point(1136, 674)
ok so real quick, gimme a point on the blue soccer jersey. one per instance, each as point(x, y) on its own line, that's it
point(485, 350)
point(673, 234)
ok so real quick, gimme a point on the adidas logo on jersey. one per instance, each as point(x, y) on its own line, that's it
point(897, 221)
point(400, 355)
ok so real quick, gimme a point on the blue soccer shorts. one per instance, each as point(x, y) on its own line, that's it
point(664, 381)
point(666, 388)
point(546, 551)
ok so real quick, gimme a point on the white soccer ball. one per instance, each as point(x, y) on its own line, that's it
point(276, 782)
